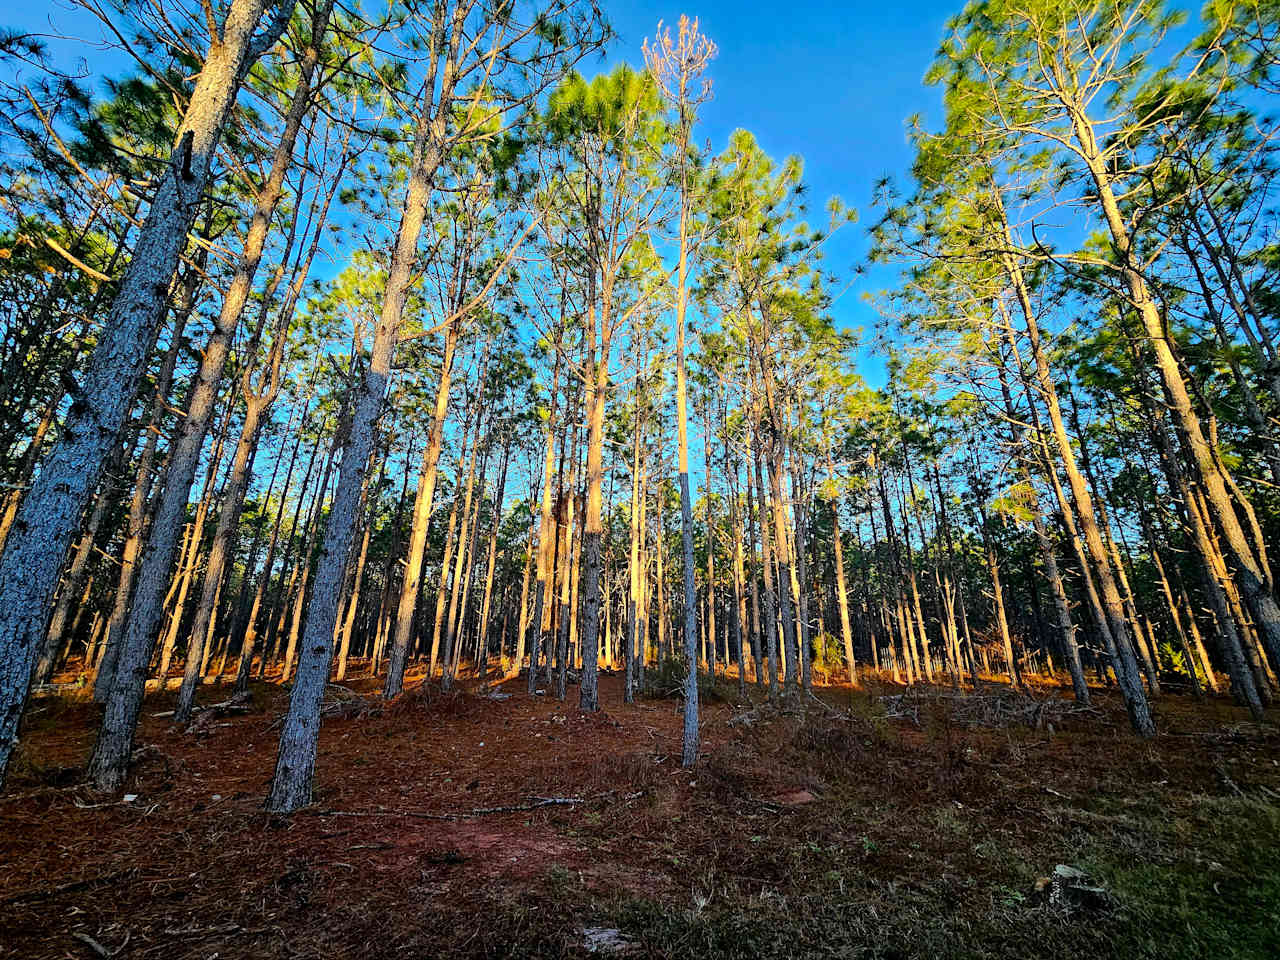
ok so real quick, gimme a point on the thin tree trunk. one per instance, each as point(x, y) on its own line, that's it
point(411, 586)
point(1112, 608)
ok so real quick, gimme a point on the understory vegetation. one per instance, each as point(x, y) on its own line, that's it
point(833, 831)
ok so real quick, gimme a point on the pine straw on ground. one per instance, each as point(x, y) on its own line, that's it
point(462, 825)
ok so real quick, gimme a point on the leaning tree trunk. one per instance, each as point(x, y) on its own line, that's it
point(295, 761)
point(1250, 571)
point(215, 564)
point(144, 481)
point(411, 585)
point(1061, 605)
point(52, 507)
point(1112, 608)
point(109, 763)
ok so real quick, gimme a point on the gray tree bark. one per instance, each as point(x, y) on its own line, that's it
point(52, 508)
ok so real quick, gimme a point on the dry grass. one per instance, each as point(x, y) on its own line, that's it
point(812, 830)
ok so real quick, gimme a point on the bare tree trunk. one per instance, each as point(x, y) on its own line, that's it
point(770, 592)
point(593, 525)
point(411, 586)
point(689, 739)
point(52, 508)
point(1251, 571)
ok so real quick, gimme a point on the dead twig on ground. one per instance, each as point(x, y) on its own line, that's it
point(29, 896)
point(1003, 709)
point(98, 948)
point(534, 803)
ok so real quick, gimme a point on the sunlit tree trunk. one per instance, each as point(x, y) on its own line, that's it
point(411, 586)
point(462, 555)
point(442, 589)
point(1250, 566)
point(597, 383)
point(347, 626)
point(487, 601)
point(842, 590)
point(634, 573)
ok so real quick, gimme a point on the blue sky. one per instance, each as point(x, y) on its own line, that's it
point(832, 82)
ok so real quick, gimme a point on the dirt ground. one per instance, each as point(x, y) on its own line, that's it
point(464, 825)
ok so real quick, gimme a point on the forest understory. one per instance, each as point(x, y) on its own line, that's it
point(868, 822)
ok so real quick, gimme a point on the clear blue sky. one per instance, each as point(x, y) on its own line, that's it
point(833, 82)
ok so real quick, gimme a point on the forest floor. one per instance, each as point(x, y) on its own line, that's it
point(858, 827)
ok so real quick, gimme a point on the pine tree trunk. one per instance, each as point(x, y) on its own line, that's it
point(512, 669)
point(786, 577)
point(1250, 569)
point(465, 547)
point(689, 737)
point(442, 590)
point(303, 569)
point(1111, 607)
point(770, 600)
point(411, 586)
point(1211, 567)
point(593, 527)
point(842, 590)
point(53, 506)
point(78, 574)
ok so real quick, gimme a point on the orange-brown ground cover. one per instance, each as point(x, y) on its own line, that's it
point(831, 831)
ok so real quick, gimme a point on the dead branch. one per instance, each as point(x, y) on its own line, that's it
point(534, 803)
